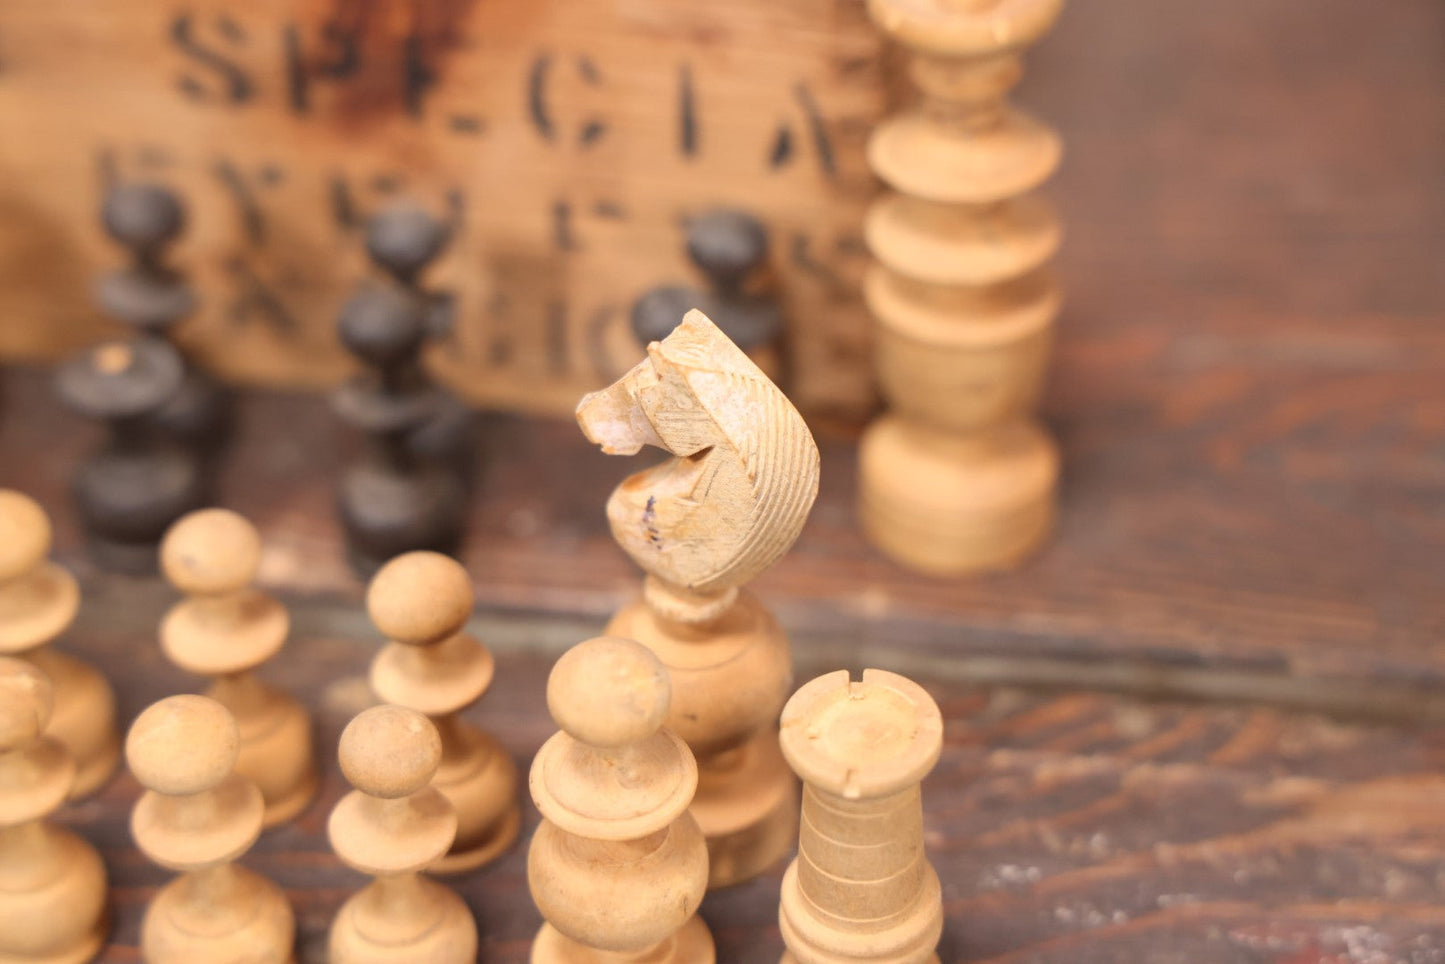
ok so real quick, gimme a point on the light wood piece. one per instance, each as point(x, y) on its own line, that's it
point(421, 601)
point(197, 816)
point(727, 505)
point(38, 602)
point(52, 883)
point(959, 476)
point(618, 866)
point(225, 628)
point(392, 826)
point(861, 888)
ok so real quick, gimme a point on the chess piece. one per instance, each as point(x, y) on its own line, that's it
point(38, 602)
point(729, 503)
point(861, 888)
point(225, 628)
point(960, 476)
point(613, 788)
point(392, 826)
point(197, 817)
point(421, 602)
point(730, 248)
point(52, 883)
point(403, 240)
point(153, 298)
point(394, 500)
point(138, 481)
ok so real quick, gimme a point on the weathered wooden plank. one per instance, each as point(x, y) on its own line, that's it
point(1169, 569)
point(566, 141)
point(1080, 826)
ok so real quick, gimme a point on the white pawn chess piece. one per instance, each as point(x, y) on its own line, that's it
point(197, 816)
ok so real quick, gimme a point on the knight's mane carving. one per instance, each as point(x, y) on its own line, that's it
point(744, 471)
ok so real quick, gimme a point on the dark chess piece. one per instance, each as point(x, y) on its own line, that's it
point(403, 240)
point(393, 501)
point(139, 481)
point(730, 248)
point(152, 298)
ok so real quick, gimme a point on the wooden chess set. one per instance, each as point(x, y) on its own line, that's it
point(943, 632)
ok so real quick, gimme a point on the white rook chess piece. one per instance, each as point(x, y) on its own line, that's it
point(861, 888)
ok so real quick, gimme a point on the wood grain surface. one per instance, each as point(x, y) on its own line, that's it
point(1171, 571)
point(1079, 827)
point(1248, 398)
point(566, 142)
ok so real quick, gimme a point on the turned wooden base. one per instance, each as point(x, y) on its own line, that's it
point(481, 783)
point(729, 680)
point(691, 945)
point(66, 920)
point(488, 848)
point(788, 958)
point(83, 719)
point(79, 954)
point(367, 931)
point(277, 756)
point(97, 769)
point(946, 505)
point(252, 922)
point(748, 811)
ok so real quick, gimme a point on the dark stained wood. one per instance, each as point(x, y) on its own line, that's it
point(1068, 827)
point(1167, 573)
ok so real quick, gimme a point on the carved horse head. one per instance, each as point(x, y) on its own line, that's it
point(744, 471)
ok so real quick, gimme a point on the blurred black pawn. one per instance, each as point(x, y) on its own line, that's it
point(730, 248)
point(403, 240)
point(393, 500)
point(153, 298)
point(139, 480)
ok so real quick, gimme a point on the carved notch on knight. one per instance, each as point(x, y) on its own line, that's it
point(744, 471)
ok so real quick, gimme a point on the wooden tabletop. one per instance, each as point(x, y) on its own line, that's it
point(1248, 395)
point(1066, 826)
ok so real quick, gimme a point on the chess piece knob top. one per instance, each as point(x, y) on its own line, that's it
point(861, 739)
point(965, 28)
point(614, 772)
point(404, 238)
point(211, 552)
point(609, 692)
point(183, 745)
point(394, 821)
point(24, 534)
point(726, 244)
point(143, 216)
point(383, 325)
point(121, 379)
point(26, 699)
point(390, 752)
point(420, 598)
